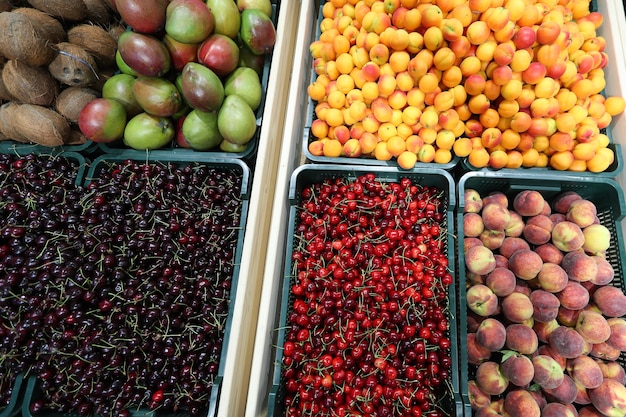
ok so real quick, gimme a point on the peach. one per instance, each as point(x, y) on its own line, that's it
point(476, 353)
point(538, 229)
point(585, 371)
point(582, 395)
point(543, 329)
point(501, 261)
point(549, 253)
point(480, 260)
point(565, 393)
point(567, 317)
point(605, 352)
point(520, 403)
point(566, 342)
point(517, 307)
point(617, 336)
point(501, 281)
point(545, 304)
point(597, 239)
point(491, 334)
point(610, 300)
point(574, 296)
point(518, 369)
point(548, 373)
point(562, 201)
point(528, 203)
point(516, 225)
point(521, 338)
point(567, 236)
point(609, 398)
point(492, 239)
point(489, 378)
point(481, 299)
point(582, 212)
point(473, 224)
point(613, 370)
point(478, 399)
point(552, 277)
point(593, 326)
point(512, 244)
point(545, 349)
point(497, 197)
point(525, 264)
point(605, 273)
point(579, 266)
point(559, 410)
point(557, 217)
point(495, 216)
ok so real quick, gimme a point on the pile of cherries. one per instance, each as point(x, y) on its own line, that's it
point(115, 295)
point(367, 331)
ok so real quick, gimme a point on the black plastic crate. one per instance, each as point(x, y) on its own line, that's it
point(605, 193)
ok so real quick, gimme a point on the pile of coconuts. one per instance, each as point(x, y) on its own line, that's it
point(55, 56)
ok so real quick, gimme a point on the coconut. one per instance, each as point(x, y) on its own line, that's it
point(98, 11)
point(76, 137)
point(7, 116)
point(71, 101)
point(70, 10)
point(96, 41)
point(73, 66)
point(28, 84)
point(5, 6)
point(21, 40)
point(41, 125)
point(4, 93)
point(46, 26)
point(116, 31)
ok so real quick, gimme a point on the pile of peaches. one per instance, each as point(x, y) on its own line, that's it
point(545, 325)
point(503, 83)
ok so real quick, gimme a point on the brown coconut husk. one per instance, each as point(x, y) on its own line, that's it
point(41, 125)
point(4, 93)
point(66, 10)
point(99, 11)
point(74, 66)
point(76, 137)
point(28, 84)
point(5, 5)
point(22, 41)
point(71, 101)
point(7, 129)
point(95, 40)
point(116, 31)
point(47, 26)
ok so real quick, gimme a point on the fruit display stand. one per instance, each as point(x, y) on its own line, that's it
point(292, 155)
point(229, 396)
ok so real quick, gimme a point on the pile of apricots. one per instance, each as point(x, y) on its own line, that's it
point(502, 83)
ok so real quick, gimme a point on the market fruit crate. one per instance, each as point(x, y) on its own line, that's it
point(606, 195)
point(17, 393)
point(309, 117)
point(206, 285)
point(311, 177)
point(267, 100)
point(8, 146)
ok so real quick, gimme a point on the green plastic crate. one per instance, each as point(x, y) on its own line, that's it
point(17, 394)
point(86, 148)
point(80, 159)
point(32, 391)
point(309, 174)
point(605, 193)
